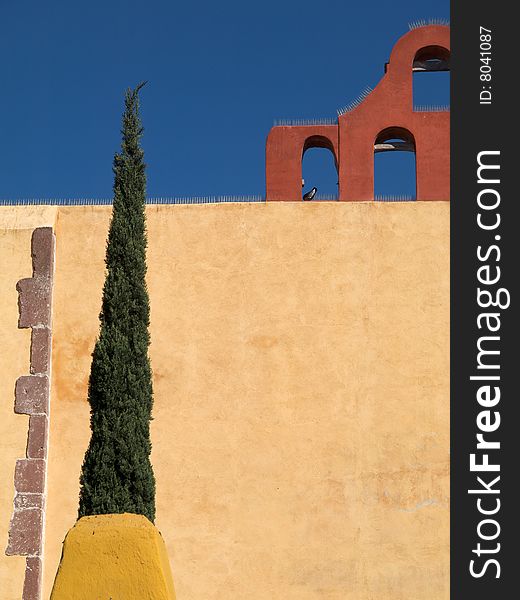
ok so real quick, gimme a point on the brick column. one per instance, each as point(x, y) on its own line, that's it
point(32, 393)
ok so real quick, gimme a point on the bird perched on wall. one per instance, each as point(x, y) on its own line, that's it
point(310, 195)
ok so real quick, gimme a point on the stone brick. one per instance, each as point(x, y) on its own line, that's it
point(22, 501)
point(40, 350)
point(25, 533)
point(34, 302)
point(42, 250)
point(33, 579)
point(29, 475)
point(32, 395)
point(37, 437)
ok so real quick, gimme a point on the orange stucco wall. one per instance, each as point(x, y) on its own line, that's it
point(301, 422)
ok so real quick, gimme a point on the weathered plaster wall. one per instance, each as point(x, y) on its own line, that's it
point(301, 432)
point(16, 227)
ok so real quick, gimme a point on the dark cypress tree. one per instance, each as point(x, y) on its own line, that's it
point(117, 475)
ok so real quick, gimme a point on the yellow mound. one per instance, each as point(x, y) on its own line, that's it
point(113, 557)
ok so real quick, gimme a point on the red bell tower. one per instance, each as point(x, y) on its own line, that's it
point(372, 126)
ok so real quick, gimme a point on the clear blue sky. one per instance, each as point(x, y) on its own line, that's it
point(218, 72)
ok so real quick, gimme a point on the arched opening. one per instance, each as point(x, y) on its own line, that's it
point(431, 79)
point(319, 169)
point(394, 165)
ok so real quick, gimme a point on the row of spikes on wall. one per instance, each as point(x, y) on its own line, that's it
point(431, 108)
point(425, 22)
point(356, 102)
point(183, 200)
point(349, 107)
point(154, 200)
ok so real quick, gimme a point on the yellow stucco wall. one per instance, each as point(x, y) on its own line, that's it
point(301, 358)
point(16, 227)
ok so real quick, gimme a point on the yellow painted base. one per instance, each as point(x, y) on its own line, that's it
point(114, 557)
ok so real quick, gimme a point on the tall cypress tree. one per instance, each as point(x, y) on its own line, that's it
point(117, 475)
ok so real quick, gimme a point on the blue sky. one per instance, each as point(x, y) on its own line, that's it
point(219, 73)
